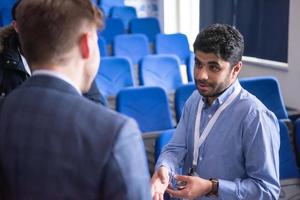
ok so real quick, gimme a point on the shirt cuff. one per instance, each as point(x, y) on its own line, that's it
point(227, 189)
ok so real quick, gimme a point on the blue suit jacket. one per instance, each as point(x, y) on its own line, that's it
point(56, 144)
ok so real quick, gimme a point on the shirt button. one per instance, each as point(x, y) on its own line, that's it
point(200, 158)
point(209, 116)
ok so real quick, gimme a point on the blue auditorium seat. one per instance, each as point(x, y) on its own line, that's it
point(126, 13)
point(133, 46)
point(5, 12)
point(148, 26)
point(267, 90)
point(112, 28)
point(297, 137)
point(102, 46)
point(106, 5)
point(181, 95)
point(114, 74)
point(162, 140)
point(161, 71)
point(149, 106)
point(190, 69)
point(176, 44)
point(287, 165)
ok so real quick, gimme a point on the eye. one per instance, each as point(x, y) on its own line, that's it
point(214, 68)
point(198, 64)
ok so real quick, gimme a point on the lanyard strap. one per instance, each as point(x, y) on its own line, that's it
point(198, 142)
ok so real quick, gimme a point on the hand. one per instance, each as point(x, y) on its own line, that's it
point(159, 183)
point(195, 187)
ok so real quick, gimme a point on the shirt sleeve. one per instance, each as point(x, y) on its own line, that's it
point(126, 173)
point(261, 142)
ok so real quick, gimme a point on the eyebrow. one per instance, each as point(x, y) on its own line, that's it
point(210, 62)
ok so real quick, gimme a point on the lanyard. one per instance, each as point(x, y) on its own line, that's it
point(198, 142)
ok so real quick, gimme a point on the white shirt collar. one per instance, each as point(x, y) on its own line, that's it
point(25, 63)
point(57, 75)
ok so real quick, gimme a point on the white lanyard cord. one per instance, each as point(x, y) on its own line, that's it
point(198, 142)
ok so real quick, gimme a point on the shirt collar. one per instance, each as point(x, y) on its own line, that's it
point(56, 75)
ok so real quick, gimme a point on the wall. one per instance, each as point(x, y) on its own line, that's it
point(144, 8)
point(290, 78)
point(182, 16)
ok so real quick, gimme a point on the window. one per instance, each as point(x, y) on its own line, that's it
point(264, 24)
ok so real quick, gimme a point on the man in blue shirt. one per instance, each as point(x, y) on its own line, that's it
point(226, 140)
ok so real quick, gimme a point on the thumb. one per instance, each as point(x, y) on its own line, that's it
point(163, 176)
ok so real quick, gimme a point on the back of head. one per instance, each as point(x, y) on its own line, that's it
point(48, 29)
point(222, 40)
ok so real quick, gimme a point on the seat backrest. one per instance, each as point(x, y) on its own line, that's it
point(133, 46)
point(161, 71)
point(267, 90)
point(181, 95)
point(287, 163)
point(126, 13)
point(297, 136)
point(161, 141)
point(148, 26)
point(5, 12)
point(173, 44)
point(102, 46)
point(114, 74)
point(112, 28)
point(106, 5)
point(191, 65)
point(149, 106)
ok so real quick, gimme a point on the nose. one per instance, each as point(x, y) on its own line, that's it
point(201, 73)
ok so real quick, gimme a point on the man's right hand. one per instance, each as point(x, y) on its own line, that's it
point(159, 183)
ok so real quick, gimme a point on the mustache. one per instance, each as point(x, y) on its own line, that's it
point(203, 82)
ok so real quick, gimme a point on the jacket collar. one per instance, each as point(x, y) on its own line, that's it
point(50, 82)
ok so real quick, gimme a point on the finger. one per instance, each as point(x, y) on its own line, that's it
point(163, 177)
point(154, 177)
point(161, 196)
point(156, 196)
point(176, 193)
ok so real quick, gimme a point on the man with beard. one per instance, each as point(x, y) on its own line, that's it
point(227, 141)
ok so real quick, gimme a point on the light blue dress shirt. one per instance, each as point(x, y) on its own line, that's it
point(241, 151)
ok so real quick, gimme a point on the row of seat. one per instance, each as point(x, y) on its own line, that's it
point(113, 9)
point(148, 26)
point(266, 89)
point(150, 107)
point(117, 73)
point(136, 46)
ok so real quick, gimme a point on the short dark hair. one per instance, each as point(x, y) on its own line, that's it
point(222, 40)
point(50, 28)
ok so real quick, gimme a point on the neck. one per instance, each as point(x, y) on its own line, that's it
point(71, 72)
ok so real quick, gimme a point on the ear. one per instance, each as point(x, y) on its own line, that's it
point(14, 24)
point(236, 69)
point(84, 46)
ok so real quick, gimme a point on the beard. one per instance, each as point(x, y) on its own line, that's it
point(207, 89)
